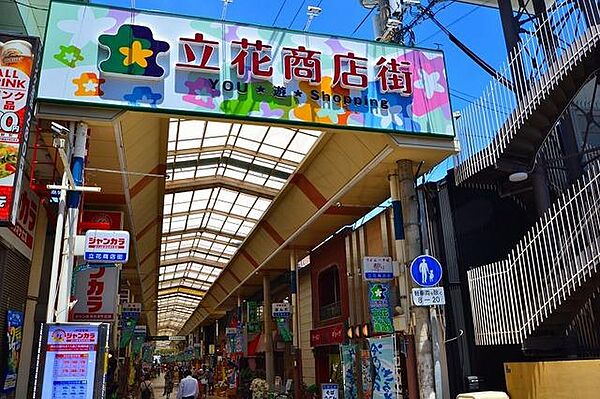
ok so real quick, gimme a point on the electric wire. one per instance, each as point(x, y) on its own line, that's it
point(279, 12)
point(476, 8)
point(296, 15)
point(363, 21)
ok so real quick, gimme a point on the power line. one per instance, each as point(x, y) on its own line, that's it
point(279, 12)
point(296, 15)
point(450, 24)
point(363, 21)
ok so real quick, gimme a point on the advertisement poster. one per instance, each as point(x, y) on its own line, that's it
point(114, 57)
point(383, 351)
point(18, 59)
point(14, 334)
point(348, 368)
point(380, 307)
point(96, 293)
point(69, 369)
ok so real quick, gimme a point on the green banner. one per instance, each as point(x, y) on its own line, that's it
point(138, 341)
point(283, 327)
point(127, 331)
point(380, 307)
point(253, 320)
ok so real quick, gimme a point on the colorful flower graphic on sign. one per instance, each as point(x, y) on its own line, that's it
point(88, 84)
point(226, 70)
point(133, 51)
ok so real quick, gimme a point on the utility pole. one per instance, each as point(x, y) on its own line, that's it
point(73, 200)
point(420, 315)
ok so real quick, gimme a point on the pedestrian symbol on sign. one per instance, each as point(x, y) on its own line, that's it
point(426, 271)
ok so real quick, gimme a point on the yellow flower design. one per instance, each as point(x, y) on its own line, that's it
point(135, 54)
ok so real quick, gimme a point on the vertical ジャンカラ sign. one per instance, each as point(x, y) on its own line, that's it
point(106, 56)
point(18, 61)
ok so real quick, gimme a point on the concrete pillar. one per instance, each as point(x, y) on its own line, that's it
point(35, 277)
point(420, 315)
point(269, 360)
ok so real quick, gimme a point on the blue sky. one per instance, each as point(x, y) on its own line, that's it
point(477, 27)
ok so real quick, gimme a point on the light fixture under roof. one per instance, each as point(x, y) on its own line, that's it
point(518, 177)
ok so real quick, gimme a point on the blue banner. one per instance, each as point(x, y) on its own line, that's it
point(383, 359)
point(348, 367)
point(14, 334)
point(380, 307)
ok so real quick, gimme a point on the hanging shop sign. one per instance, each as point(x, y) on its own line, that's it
point(281, 309)
point(112, 220)
point(21, 234)
point(383, 357)
point(18, 68)
point(106, 56)
point(72, 361)
point(349, 353)
point(330, 391)
point(96, 294)
point(380, 307)
point(331, 335)
point(14, 335)
point(428, 296)
point(106, 245)
point(378, 268)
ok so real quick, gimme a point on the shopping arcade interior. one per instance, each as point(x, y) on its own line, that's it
point(208, 203)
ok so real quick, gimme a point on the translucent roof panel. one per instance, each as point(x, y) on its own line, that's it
point(222, 178)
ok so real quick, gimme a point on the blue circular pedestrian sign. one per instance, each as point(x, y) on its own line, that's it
point(426, 271)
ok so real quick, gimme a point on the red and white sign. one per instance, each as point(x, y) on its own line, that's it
point(332, 335)
point(17, 59)
point(96, 294)
point(22, 233)
point(104, 246)
point(113, 220)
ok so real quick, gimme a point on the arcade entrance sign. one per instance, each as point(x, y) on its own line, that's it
point(136, 60)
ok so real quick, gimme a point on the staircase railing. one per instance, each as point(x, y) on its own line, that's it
point(512, 297)
point(562, 39)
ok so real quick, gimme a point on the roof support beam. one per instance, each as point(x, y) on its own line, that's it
point(200, 183)
point(193, 259)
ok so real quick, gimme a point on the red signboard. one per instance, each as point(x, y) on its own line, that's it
point(331, 335)
point(22, 233)
point(100, 220)
point(18, 57)
point(96, 293)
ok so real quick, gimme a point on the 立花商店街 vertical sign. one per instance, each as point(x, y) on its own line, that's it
point(114, 57)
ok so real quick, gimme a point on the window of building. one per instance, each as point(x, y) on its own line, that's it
point(330, 302)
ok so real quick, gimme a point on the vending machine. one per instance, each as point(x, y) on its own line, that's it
point(72, 361)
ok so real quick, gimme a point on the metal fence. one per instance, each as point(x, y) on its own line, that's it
point(512, 297)
point(560, 42)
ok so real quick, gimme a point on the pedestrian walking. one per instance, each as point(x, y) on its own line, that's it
point(146, 389)
point(188, 387)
